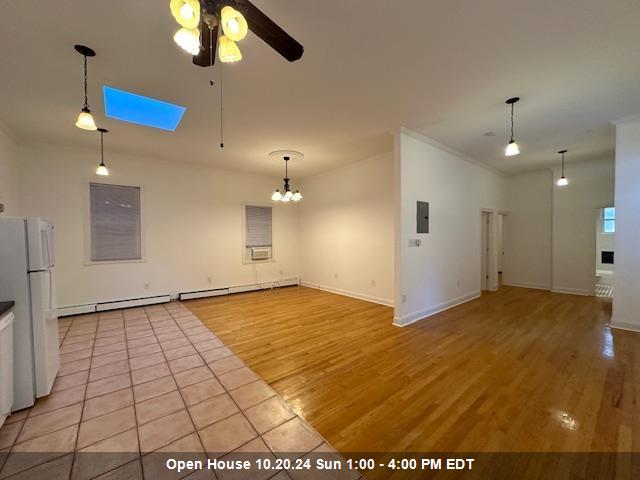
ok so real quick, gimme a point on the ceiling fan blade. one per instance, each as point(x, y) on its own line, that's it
point(209, 41)
point(270, 32)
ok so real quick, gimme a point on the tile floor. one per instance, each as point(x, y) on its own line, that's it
point(146, 380)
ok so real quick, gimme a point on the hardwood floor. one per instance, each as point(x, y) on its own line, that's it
point(517, 370)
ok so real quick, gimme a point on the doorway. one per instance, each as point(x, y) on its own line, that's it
point(605, 251)
point(485, 249)
point(500, 234)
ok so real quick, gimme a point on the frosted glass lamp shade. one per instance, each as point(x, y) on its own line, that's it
point(85, 120)
point(512, 149)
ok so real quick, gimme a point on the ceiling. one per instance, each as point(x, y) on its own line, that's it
point(440, 67)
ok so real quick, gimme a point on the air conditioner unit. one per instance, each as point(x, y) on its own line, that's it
point(260, 253)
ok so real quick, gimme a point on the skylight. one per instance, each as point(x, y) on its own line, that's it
point(134, 108)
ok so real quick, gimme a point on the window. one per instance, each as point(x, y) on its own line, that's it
point(258, 239)
point(609, 220)
point(115, 223)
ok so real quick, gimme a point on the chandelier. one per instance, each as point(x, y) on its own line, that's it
point(286, 195)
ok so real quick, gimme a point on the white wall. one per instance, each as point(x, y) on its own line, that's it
point(9, 173)
point(528, 230)
point(347, 230)
point(192, 221)
point(591, 186)
point(626, 301)
point(446, 268)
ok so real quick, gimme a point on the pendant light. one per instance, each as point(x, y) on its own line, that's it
point(512, 147)
point(562, 181)
point(85, 119)
point(286, 195)
point(102, 169)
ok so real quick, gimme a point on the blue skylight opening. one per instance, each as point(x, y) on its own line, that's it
point(134, 108)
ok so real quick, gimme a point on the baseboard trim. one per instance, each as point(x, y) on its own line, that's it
point(76, 310)
point(572, 291)
point(428, 312)
point(136, 302)
point(527, 285)
point(348, 293)
point(618, 325)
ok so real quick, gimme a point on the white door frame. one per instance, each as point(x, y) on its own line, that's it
point(491, 257)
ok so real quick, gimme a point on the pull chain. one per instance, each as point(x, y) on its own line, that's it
point(221, 112)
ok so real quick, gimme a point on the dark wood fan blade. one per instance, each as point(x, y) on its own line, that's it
point(270, 32)
point(209, 41)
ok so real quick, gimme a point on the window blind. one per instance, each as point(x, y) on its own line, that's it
point(115, 223)
point(258, 221)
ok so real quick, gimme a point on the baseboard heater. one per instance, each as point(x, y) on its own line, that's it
point(238, 289)
point(115, 305)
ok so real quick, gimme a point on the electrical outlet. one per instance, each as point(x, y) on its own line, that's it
point(281, 272)
point(373, 283)
point(404, 298)
point(209, 279)
point(458, 283)
point(335, 275)
point(146, 286)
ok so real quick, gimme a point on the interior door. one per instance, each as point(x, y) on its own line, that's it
point(45, 330)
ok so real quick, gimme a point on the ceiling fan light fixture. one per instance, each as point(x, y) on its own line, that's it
point(85, 120)
point(188, 40)
point(234, 25)
point(186, 13)
point(228, 51)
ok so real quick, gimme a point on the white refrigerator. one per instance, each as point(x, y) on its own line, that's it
point(27, 277)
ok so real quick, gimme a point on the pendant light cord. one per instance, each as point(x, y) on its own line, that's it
point(563, 165)
point(101, 148)
point(86, 101)
point(512, 122)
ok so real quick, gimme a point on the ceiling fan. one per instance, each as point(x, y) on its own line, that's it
point(201, 21)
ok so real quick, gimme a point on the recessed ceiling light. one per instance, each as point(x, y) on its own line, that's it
point(490, 134)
